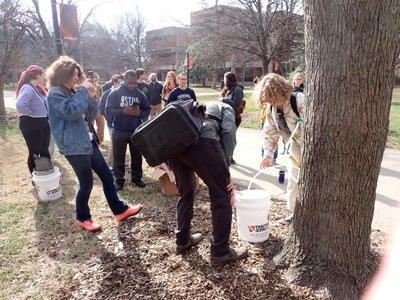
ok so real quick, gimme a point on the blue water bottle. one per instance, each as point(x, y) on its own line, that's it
point(281, 176)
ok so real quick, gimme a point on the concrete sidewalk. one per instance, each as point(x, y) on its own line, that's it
point(248, 158)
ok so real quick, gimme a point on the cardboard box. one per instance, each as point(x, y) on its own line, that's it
point(166, 180)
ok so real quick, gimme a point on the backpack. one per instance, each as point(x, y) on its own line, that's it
point(170, 132)
point(293, 102)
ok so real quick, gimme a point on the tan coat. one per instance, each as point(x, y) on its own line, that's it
point(271, 131)
point(271, 134)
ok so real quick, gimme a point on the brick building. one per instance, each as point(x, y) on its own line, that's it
point(166, 48)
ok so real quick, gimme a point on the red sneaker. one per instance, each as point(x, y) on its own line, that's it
point(89, 225)
point(131, 211)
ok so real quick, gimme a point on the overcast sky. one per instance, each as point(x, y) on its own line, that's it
point(158, 13)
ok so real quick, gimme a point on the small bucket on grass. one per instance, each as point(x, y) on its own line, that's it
point(48, 184)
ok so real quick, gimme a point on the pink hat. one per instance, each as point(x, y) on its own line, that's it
point(35, 70)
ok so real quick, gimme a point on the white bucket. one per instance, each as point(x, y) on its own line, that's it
point(48, 186)
point(252, 208)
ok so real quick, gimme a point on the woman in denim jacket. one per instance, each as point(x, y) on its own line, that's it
point(70, 114)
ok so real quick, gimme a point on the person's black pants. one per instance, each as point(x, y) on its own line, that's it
point(207, 160)
point(36, 132)
point(119, 141)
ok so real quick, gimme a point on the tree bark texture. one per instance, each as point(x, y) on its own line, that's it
point(350, 48)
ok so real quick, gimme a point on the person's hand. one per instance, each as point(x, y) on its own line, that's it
point(90, 87)
point(233, 199)
point(265, 162)
point(87, 83)
point(132, 111)
point(231, 188)
point(128, 110)
point(136, 111)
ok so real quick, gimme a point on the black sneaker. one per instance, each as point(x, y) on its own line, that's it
point(139, 183)
point(233, 161)
point(233, 255)
point(194, 240)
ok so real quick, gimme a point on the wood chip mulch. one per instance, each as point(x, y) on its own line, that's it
point(142, 264)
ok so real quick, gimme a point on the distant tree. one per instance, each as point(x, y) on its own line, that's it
point(298, 58)
point(13, 26)
point(129, 32)
point(40, 40)
point(96, 53)
point(208, 58)
point(350, 48)
point(264, 29)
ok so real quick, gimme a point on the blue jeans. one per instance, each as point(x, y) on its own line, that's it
point(83, 166)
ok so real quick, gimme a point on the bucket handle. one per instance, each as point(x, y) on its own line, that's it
point(279, 167)
point(254, 177)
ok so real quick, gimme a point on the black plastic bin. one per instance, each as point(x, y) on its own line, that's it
point(167, 134)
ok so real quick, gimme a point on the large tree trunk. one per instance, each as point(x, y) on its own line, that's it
point(214, 81)
point(350, 55)
point(265, 65)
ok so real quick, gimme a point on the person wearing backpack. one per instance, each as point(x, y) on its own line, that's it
point(298, 86)
point(233, 95)
point(207, 158)
point(284, 109)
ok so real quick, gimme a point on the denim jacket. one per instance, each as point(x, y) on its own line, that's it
point(66, 120)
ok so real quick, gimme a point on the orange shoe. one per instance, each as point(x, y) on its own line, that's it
point(89, 225)
point(131, 211)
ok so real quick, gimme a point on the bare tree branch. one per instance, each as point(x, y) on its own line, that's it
point(259, 28)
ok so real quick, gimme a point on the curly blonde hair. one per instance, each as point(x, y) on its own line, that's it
point(272, 89)
point(62, 70)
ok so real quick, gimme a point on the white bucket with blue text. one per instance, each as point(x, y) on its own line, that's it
point(48, 184)
point(252, 209)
